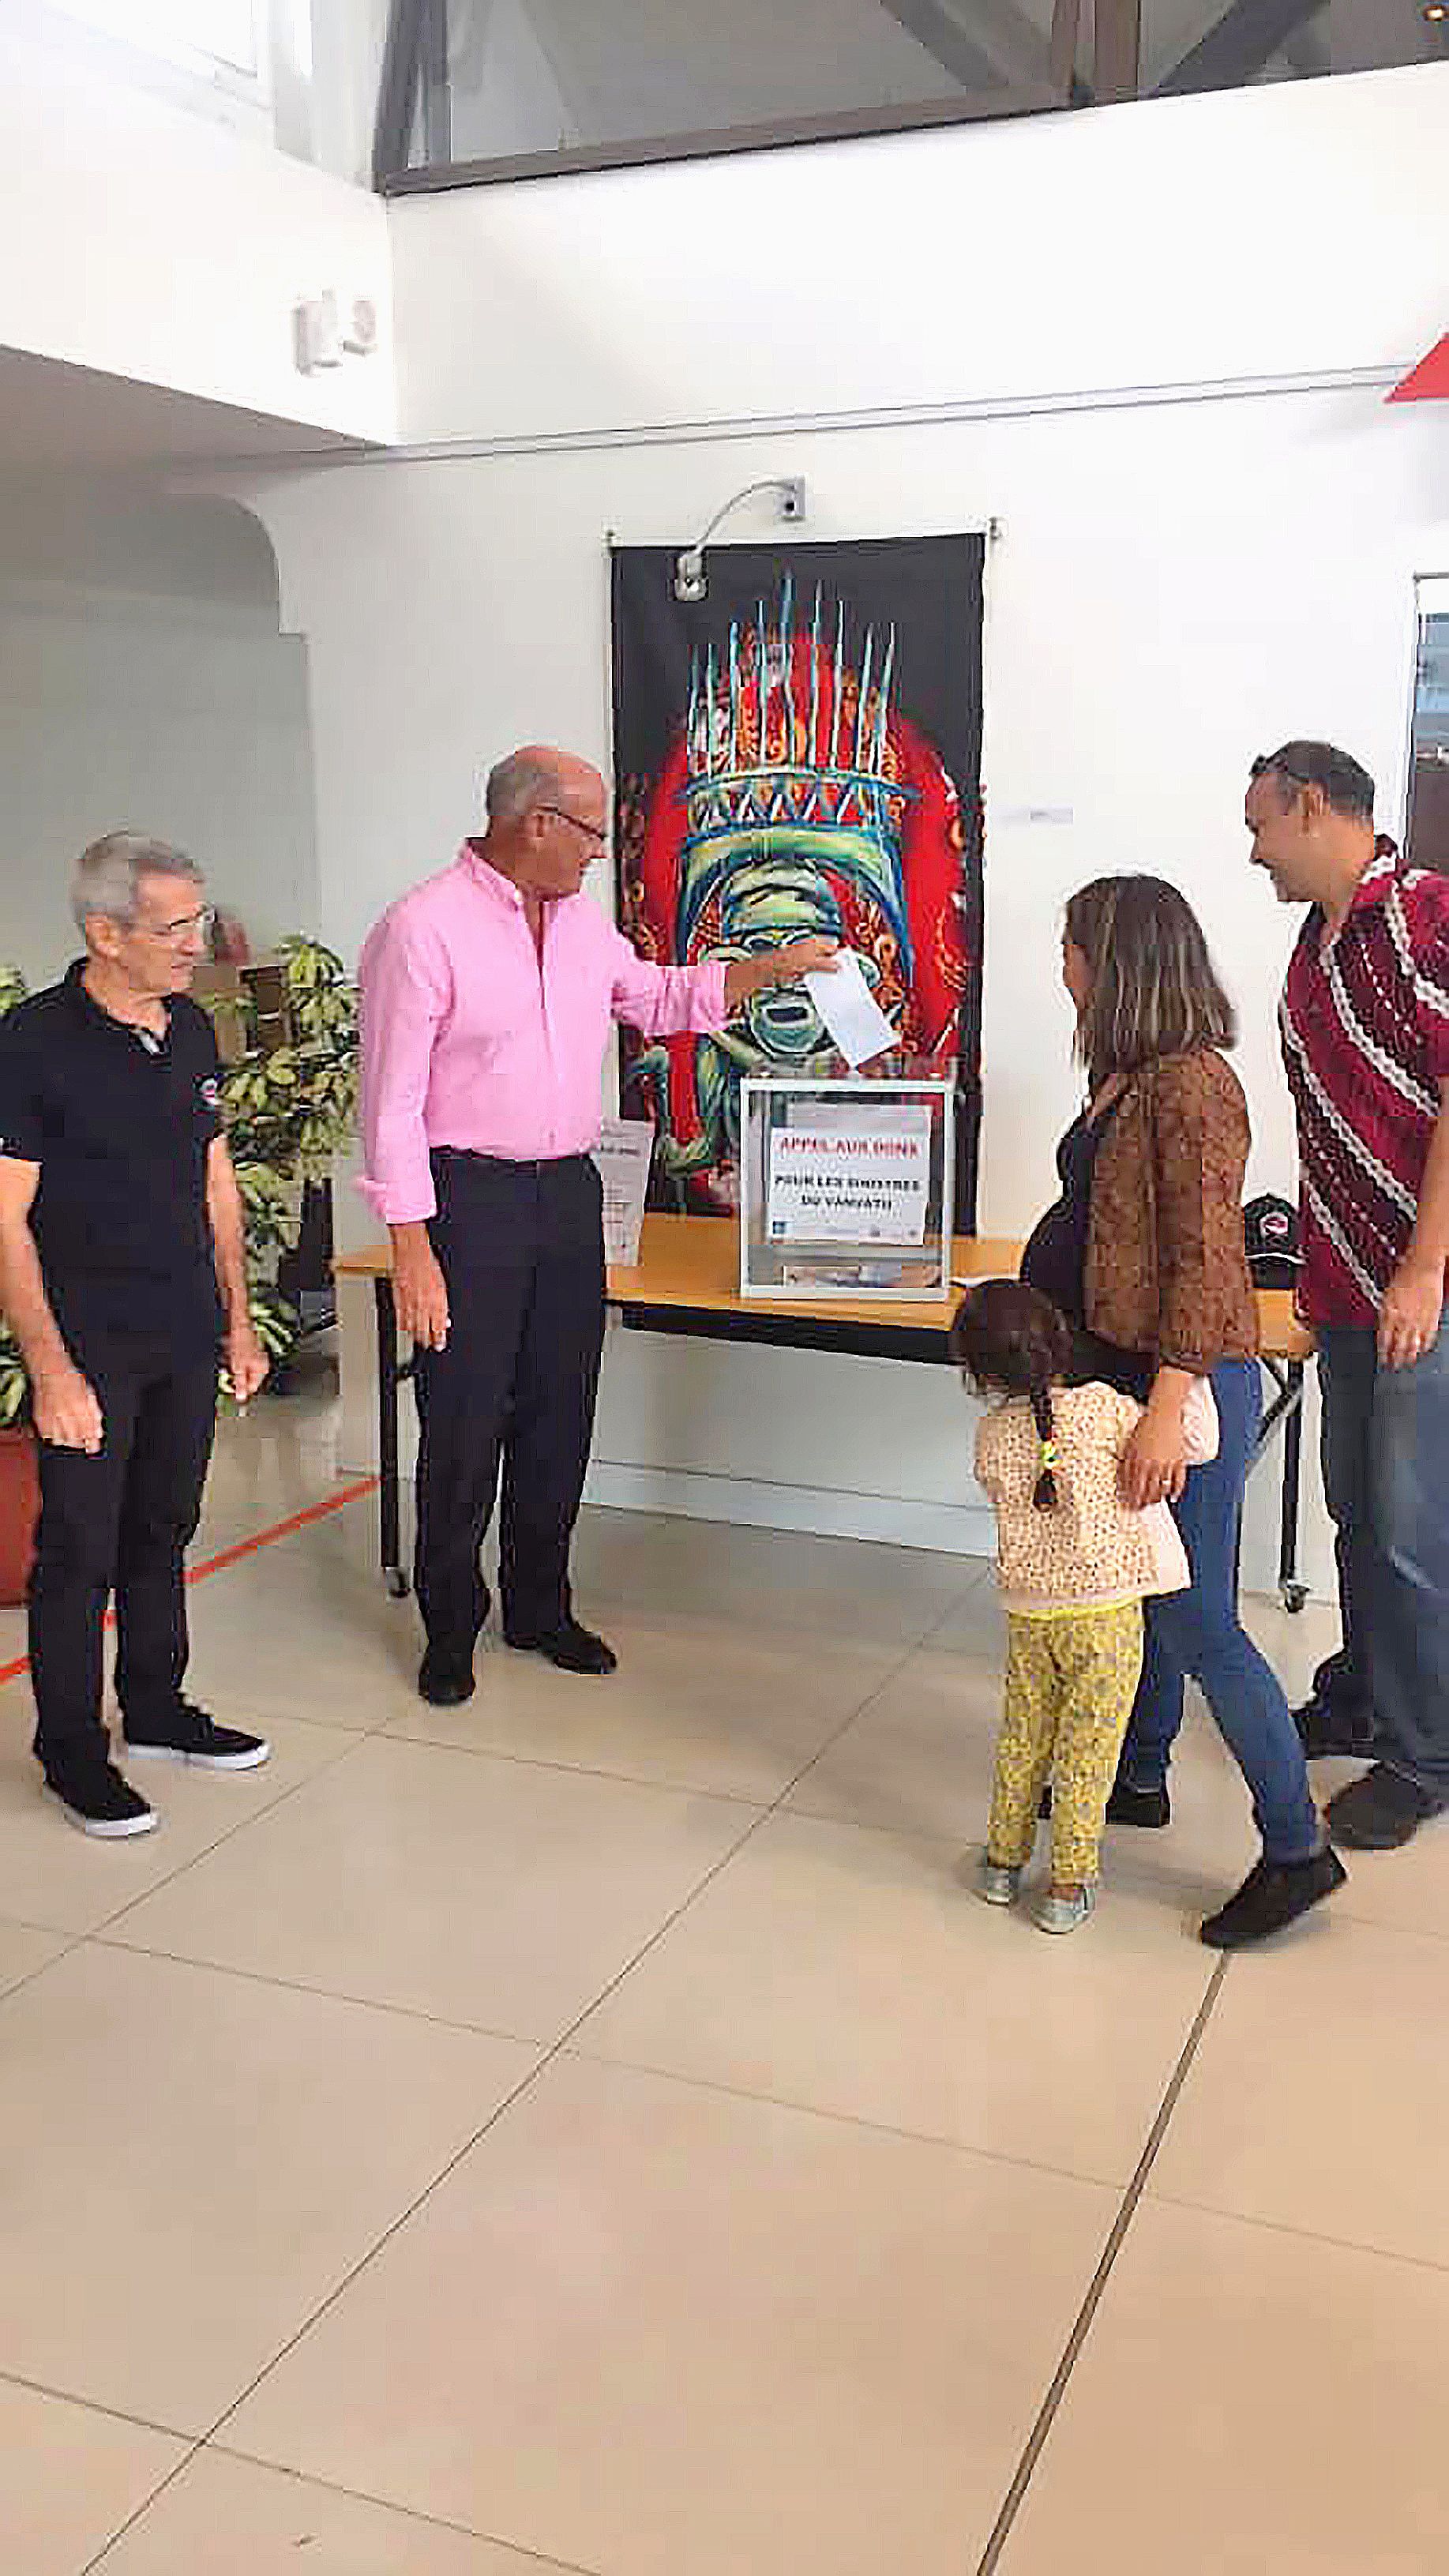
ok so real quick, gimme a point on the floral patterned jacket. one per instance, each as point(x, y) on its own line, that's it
point(1167, 1267)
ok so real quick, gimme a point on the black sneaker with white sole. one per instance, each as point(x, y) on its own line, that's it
point(100, 1802)
point(190, 1735)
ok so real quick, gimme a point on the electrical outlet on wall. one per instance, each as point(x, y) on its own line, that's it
point(792, 497)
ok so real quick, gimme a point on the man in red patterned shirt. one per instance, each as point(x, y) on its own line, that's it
point(1365, 1027)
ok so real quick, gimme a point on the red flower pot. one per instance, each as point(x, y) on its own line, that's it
point(19, 1511)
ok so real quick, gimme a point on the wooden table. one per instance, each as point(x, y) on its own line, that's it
point(686, 1281)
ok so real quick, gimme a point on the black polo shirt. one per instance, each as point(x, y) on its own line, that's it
point(120, 1122)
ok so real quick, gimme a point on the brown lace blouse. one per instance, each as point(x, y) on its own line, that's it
point(1167, 1268)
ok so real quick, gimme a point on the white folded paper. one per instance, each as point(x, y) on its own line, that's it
point(850, 1010)
point(623, 1154)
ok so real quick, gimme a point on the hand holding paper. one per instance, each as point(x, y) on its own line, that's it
point(850, 1010)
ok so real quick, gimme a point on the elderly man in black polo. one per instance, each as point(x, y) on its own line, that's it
point(123, 1278)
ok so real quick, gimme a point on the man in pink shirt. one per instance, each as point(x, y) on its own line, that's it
point(488, 994)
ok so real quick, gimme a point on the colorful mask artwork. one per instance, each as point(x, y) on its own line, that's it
point(796, 789)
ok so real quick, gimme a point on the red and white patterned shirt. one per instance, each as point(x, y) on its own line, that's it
point(1364, 1021)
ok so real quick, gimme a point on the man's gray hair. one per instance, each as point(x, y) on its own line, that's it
point(516, 785)
point(108, 874)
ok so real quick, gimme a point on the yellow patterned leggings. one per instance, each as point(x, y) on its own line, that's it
point(1070, 1684)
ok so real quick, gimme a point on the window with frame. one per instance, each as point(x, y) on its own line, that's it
point(1427, 837)
point(478, 90)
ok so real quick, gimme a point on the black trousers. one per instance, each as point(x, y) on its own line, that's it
point(120, 1523)
point(521, 1247)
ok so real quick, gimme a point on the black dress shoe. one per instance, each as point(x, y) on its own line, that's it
point(443, 1681)
point(1145, 1807)
point(572, 1648)
point(1272, 1895)
point(1380, 1811)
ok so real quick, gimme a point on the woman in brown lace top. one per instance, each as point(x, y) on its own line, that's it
point(1144, 1251)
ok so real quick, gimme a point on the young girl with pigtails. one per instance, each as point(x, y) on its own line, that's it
point(1074, 1565)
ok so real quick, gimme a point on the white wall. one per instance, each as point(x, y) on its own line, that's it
point(144, 684)
point(1180, 583)
point(1253, 232)
point(147, 243)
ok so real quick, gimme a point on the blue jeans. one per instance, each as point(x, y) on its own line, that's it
point(1386, 1478)
point(1197, 1633)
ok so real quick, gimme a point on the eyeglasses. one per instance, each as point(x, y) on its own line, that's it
point(175, 934)
point(590, 829)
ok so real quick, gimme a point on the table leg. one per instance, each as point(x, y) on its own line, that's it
point(1287, 1408)
point(388, 1496)
point(1293, 1593)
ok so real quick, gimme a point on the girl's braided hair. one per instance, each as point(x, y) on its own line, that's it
point(1008, 1339)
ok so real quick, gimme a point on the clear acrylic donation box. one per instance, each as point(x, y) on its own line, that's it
point(845, 1189)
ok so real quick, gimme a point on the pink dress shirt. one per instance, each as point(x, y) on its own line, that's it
point(470, 1039)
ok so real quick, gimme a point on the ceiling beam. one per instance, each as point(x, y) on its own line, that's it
point(1003, 43)
point(1010, 35)
point(1066, 25)
point(1117, 69)
point(397, 90)
point(942, 36)
point(1241, 44)
point(437, 94)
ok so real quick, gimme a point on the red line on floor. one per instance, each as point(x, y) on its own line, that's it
point(281, 1529)
point(244, 1547)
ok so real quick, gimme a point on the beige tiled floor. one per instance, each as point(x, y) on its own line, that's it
point(596, 2128)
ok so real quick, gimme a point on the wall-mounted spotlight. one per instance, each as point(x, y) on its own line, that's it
point(689, 575)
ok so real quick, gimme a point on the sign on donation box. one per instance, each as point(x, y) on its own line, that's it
point(851, 1186)
point(846, 1189)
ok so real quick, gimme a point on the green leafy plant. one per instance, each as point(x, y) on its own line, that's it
point(288, 1113)
point(14, 1382)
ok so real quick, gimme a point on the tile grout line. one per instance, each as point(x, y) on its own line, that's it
point(93, 2406)
point(391, 1730)
point(276, 1533)
point(560, 2046)
point(1037, 2438)
point(831, 2111)
point(138, 2512)
point(202, 2445)
point(760, 1816)
point(348, 1745)
point(274, 1984)
point(777, 1803)
point(1299, 2235)
point(406, 2512)
point(16, 1985)
point(514, 2094)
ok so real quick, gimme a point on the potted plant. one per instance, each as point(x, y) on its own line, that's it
point(290, 1109)
point(19, 1474)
